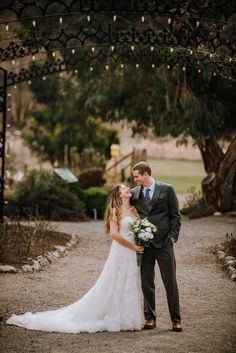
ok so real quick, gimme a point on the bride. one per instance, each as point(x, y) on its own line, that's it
point(113, 303)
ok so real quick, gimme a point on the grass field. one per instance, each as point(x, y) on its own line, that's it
point(182, 174)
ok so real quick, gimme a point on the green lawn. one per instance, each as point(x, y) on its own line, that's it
point(180, 173)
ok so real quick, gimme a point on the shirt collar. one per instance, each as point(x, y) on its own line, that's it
point(152, 186)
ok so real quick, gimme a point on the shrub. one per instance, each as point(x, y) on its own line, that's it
point(91, 177)
point(96, 198)
point(195, 205)
point(90, 158)
point(45, 196)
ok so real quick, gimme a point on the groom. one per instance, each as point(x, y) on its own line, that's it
point(158, 202)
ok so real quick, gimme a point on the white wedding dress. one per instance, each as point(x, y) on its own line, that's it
point(112, 304)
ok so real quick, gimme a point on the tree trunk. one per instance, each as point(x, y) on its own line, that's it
point(219, 187)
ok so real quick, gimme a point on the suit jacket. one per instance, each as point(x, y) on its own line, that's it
point(162, 211)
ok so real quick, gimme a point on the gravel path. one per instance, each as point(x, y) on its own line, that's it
point(207, 297)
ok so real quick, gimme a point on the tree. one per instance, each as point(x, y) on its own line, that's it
point(60, 119)
point(181, 104)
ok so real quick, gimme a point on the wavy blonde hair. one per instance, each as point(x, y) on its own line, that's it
point(114, 203)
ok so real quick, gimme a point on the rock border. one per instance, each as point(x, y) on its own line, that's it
point(228, 262)
point(42, 261)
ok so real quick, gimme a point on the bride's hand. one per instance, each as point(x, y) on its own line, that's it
point(139, 249)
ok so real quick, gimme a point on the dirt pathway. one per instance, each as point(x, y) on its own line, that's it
point(207, 297)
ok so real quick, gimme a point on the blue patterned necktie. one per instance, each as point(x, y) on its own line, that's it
point(147, 195)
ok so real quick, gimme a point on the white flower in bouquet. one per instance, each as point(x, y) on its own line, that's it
point(143, 232)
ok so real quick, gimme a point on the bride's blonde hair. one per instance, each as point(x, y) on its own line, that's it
point(113, 207)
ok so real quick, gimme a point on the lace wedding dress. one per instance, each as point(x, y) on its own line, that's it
point(112, 304)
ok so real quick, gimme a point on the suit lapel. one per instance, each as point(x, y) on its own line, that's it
point(156, 194)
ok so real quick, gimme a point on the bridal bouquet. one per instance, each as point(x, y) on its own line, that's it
point(143, 232)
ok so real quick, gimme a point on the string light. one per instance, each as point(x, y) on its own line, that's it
point(91, 68)
point(93, 49)
point(73, 51)
point(184, 68)
point(112, 48)
point(210, 55)
point(9, 109)
point(137, 66)
point(171, 50)
point(14, 86)
point(8, 125)
point(153, 65)
point(169, 21)
point(13, 62)
point(191, 52)
point(230, 59)
point(214, 73)
point(53, 54)
point(44, 78)
point(197, 23)
point(9, 94)
point(107, 67)
point(199, 71)
point(142, 18)
point(60, 20)
point(132, 47)
point(34, 23)
point(114, 18)
point(29, 82)
point(75, 71)
point(168, 67)
point(88, 18)
point(152, 48)
point(33, 57)
point(122, 66)
point(7, 27)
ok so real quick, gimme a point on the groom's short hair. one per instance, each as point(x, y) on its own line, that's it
point(142, 167)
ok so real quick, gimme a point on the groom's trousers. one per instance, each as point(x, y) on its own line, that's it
point(166, 260)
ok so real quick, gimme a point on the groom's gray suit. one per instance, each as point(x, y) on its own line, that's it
point(163, 212)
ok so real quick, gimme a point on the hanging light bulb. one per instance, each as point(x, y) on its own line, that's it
point(142, 18)
point(153, 65)
point(44, 78)
point(13, 62)
point(14, 86)
point(137, 66)
point(60, 20)
point(122, 66)
point(91, 68)
point(171, 50)
point(33, 57)
point(199, 71)
point(169, 21)
point(34, 23)
point(9, 94)
point(132, 47)
point(210, 55)
point(214, 74)
point(88, 18)
point(114, 18)
point(29, 82)
point(107, 67)
point(9, 109)
point(61, 74)
point(112, 48)
point(168, 67)
point(93, 49)
point(197, 23)
point(230, 59)
point(191, 52)
point(152, 48)
point(184, 68)
point(53, 54)
point(73, 51)
point(7, 27)
point(75, 71)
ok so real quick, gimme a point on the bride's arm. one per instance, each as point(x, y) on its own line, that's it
point(114, 232)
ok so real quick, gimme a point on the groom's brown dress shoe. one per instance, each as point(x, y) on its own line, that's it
point(149, 325)
point(177, 327)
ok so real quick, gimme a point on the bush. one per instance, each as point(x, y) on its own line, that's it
point(91, 177)
point(96, 198)
point(195, 206)
point(45, 196)
point(90, 158)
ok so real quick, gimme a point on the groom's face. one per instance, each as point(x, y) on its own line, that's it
point(139, 178)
